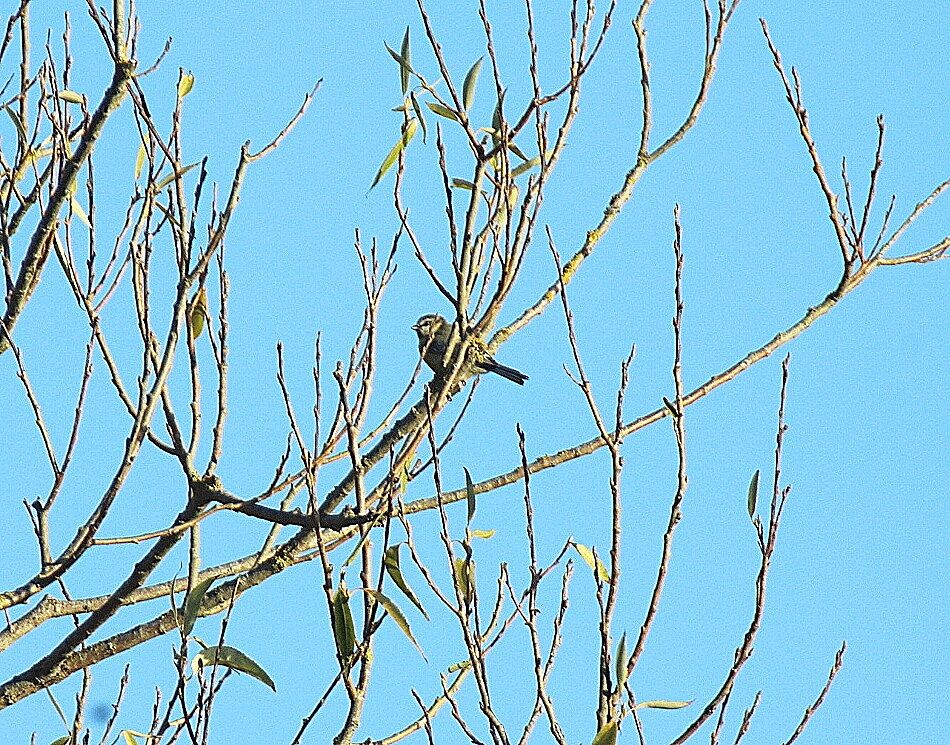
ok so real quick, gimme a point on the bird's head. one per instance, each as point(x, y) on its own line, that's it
point(427, 326)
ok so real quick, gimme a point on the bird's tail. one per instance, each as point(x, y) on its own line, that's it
point(509, 373)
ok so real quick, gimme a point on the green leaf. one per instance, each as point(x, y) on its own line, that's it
point(471, 81)
point(525, 167)
point(20, 131)
point(517, 151)
point(139, 161)
point(343, 631)
point(663, 704)
point(72, 96)
point(406, 54)
point(592, 561)
point(620, 661)
point(753, 493)
point(418, 109)
point(403, 63)
point(464, 578)
point(393, 156)
point(234, 659)
point(443, 111)
point(193, 603)
point(497, 118)
point(391, 562)
point(60, 740)
point(460, 183)
point(397, 615)
point(607, 735)
point(456, 666)
point(171, 177)
point(469, 495)
point(482, 533)
point(196, 316)
point(186, 81)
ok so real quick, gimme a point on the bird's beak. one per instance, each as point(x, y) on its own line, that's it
point(415, 327)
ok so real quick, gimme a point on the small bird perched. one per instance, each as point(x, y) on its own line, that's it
point(434, 331)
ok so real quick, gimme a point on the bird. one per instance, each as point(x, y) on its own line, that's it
point(433, 332)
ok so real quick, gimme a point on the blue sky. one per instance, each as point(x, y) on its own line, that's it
point(862, 553)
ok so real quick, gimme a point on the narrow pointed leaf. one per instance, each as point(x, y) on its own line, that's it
point(234, 659)
point(72, 96)
point(391, 562)
point(753, 493)
point(171, 177)
point(471, 81)
point(663, 704)
point(185, 83)
point(497, 118)
point(517, 151)
point(397, 615)
point(592, 561)
point(482, 533)
point(460, 183)
point(620, 661)
point(418, 109)
point(456, 666)
point(469, 494)
point(20, 131)
point(139, 161)
point(79, 212)
point(607, 735)
point(403, 63)
point(192, 604)
point(60, 740)
point(525, 167)
point(443, 111)
point(396, 150)
point(344, 632)
point(129, 737)
point(406, 54)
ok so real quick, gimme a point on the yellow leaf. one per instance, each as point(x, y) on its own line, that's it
point(186, 81)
